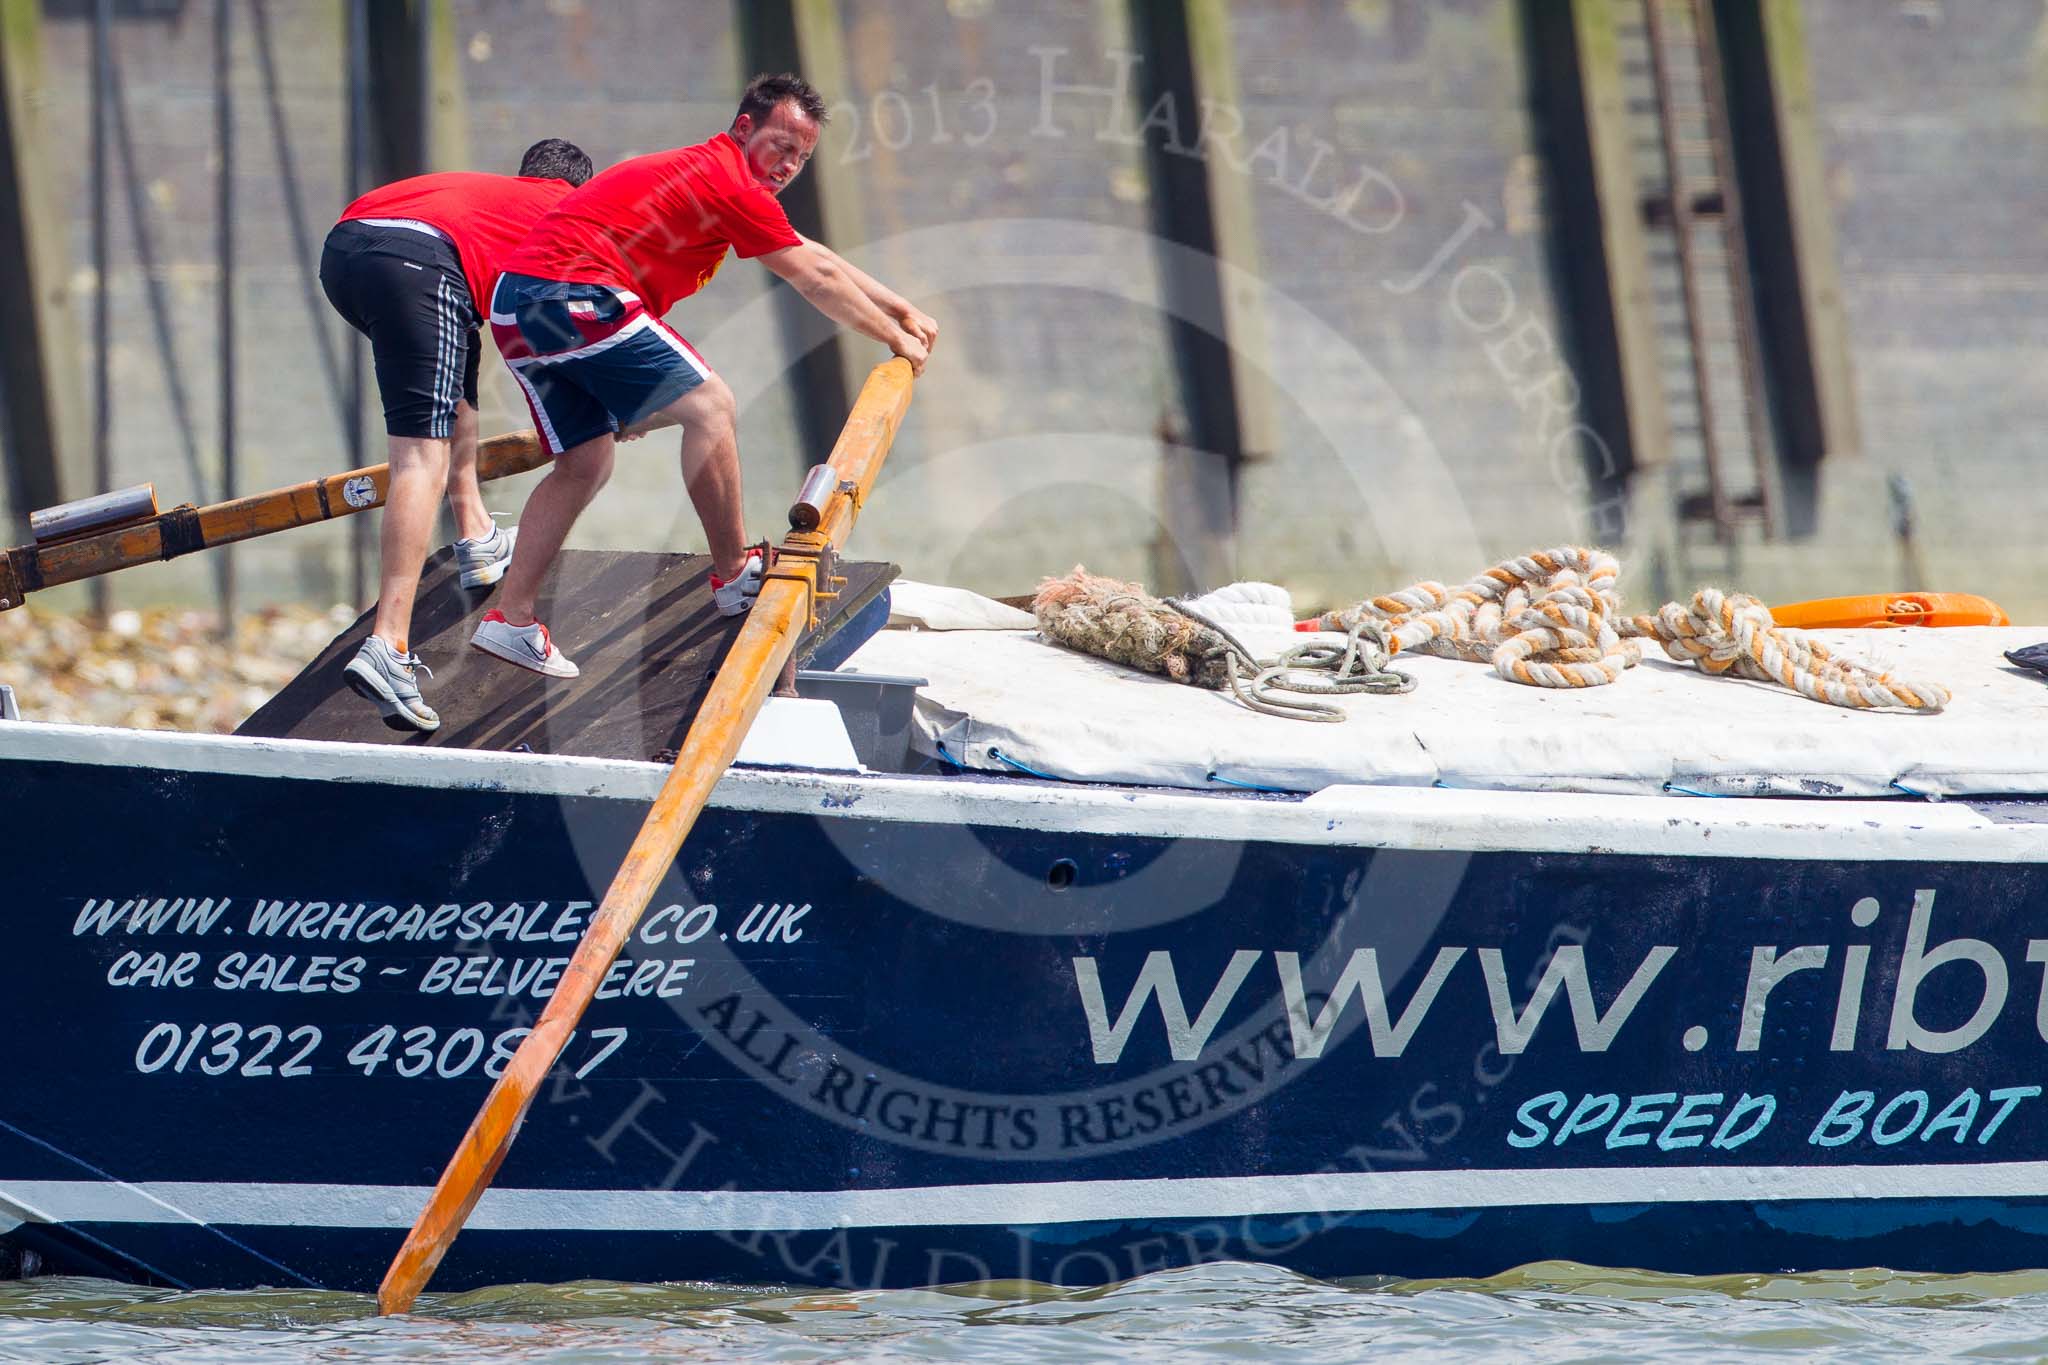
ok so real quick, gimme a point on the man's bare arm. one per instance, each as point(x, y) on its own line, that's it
point(907, 314)
point(828, 285)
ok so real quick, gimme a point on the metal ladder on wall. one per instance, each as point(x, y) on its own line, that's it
point(1723, 451)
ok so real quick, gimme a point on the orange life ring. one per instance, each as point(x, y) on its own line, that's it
point(1892, 609)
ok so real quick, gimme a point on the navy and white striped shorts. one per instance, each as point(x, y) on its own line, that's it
point(590, 358)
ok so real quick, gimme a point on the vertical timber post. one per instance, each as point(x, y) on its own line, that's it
point(41, 396)
point(395, 66)
point(397, 36)
point(224, 246)
point(356, 41)
point(788, 35)
point(446, 112)
point(102, 329)
point(1602, 263)
point(1791, 238)
point(1200, 220)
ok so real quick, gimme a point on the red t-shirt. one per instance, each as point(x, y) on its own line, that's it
point(485, 215)
point(658, 225)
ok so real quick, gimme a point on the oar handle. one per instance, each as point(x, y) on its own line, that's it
point(749, 670)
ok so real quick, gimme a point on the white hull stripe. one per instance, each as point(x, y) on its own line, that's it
point(1346, 816)
point(1017, 1205)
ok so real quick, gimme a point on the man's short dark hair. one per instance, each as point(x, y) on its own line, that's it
point(553, 159)
point(764, 92)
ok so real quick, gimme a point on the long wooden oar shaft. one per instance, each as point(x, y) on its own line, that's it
point(743, 682)
point(182, 530)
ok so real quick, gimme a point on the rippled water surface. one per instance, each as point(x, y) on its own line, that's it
point(1552, 1311)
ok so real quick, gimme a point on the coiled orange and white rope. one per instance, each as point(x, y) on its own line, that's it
point(1554, 619)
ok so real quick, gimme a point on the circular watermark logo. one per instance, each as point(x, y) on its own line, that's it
point(1394, 487)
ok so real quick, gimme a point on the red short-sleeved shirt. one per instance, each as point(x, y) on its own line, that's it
point(659, 225)
point(486, 216)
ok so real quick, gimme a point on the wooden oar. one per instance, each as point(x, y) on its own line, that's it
point(771, 631)
point(182, 530)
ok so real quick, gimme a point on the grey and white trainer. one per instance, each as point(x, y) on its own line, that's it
point(483, 562)
point(389, 680)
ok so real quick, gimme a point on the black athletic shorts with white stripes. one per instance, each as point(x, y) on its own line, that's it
point(403, 288)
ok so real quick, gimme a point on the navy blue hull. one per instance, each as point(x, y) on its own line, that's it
point(859, 1051)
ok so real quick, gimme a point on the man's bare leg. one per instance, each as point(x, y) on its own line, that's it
point(551, 511)
point(465, 497)
point(711, 470)
point(419, 474)
point(711, 473)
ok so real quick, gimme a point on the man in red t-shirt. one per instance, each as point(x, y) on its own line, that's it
point(577, 315)
point(410, 265)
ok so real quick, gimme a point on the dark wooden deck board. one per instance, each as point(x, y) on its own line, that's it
point(640, 625)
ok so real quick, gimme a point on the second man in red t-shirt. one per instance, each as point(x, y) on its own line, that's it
point(410, 265)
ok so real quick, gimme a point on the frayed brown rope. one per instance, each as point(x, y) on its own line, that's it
point(1118, 621)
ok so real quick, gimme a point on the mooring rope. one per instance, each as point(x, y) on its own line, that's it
point(1734, 633)
point(1357, 665)
point(1120, 622)
point(1549, 619)
point(1554, 619)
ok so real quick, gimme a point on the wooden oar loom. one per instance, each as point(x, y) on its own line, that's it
point(101, 534)
point(787, 605)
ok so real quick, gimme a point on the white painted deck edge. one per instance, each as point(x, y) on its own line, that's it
point(1420, 818)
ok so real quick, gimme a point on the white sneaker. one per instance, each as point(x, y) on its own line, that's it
point(737, 597)
point(483, 562)
point(529, 646)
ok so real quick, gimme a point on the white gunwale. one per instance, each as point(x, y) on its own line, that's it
point(1362, 816)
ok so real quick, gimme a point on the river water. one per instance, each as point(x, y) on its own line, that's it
point(1552, 1311)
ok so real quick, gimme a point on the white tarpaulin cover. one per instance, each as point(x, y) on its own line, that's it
point(997, 695)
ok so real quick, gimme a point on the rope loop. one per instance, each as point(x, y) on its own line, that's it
point(1312, 668)
point(1733, 633)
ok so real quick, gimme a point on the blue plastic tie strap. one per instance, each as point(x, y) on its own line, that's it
point(999, 756)
point(1215, 776)
point(1689, 791)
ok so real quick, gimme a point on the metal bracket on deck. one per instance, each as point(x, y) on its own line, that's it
point(808, 558)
